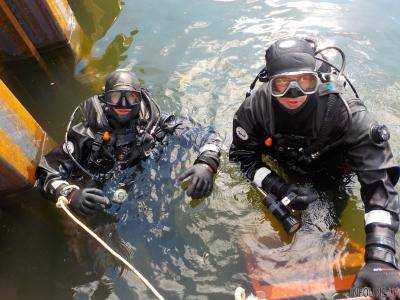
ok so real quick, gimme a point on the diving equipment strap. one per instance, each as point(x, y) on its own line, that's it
point(209, 154)
point(381, 254)
point(260, 175)
point(381, 236)
point(378, 216)
point(209, 147)
point(380, 244)
point(55, 184)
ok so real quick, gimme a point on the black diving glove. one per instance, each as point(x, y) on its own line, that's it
point(297, 197)
point(201, 180)
point(88, 201)
point(382, 278)
point(302, 196)
point(275, 185)
point(147, 142)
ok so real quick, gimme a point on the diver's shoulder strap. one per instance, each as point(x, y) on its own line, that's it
point(356, 105)
point(151, 111)
point(334, 121)
point(327, 88)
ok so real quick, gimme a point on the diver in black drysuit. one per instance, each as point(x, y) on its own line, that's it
point(119, 129)
point(323, 139)
point(121, 136)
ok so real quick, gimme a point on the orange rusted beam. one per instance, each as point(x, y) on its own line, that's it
point(24, 37)
point(30, 28)
point(68, 26)
point(10, 102)
point(16, 169)
point(23, 142)
point(59, 17)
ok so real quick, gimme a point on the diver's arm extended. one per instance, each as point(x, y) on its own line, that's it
point(373, 162)
point(210, 150)
point(204, 139)
point(208, 144)
point(381, 215)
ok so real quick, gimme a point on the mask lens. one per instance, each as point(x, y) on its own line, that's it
point(132, 97)
point(307, 82)
point(279, 85)
point(114, 97)
point(122, 98)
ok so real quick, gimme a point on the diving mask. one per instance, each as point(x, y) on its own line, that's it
point(306, 82)
point(121, 98)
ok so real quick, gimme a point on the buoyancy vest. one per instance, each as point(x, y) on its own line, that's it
point(314, 153)
point(102, 146)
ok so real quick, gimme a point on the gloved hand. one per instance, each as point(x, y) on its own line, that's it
point(381, 277)
point(304, 196)
point(201, 180)
point(88, 200)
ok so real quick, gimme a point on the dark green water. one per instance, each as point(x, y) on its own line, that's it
point(198, 58)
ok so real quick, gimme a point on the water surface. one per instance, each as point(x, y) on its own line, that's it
point(197, 58)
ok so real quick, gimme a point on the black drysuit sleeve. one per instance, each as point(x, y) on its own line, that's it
point(373, 164)
point(378, 174)
point(205, 140)
point(57, 167)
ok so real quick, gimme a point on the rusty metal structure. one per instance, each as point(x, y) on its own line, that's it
point(27, 30)
point(22, 144)
point(30, 27)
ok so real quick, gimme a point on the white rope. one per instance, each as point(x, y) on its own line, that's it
point(62, 203)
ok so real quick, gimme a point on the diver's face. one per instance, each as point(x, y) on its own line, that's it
point(123, 101)
point(292, 103)
point(305, 83)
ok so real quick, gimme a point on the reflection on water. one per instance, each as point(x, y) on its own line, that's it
point(95, 17)
point(197, 57)
point(92, 70)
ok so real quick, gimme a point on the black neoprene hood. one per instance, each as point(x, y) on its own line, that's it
point(122, 80)
point(289, 55)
